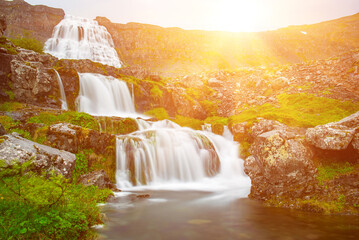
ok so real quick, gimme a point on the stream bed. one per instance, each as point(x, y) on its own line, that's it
point(207, 215)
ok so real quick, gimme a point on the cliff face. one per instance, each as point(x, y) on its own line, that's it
point(22, 17)
point(173, 50)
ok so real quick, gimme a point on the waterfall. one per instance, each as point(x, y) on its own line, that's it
point(166, 153)
point(62, 92)
point(104, 96)
point(80, 38)
point(159, 153)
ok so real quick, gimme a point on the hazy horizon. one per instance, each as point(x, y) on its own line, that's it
point(212, 15)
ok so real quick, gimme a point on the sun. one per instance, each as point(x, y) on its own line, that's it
point(237, 15)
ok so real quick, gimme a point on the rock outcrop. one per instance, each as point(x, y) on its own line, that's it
point(281, 162)
point(16, 148)
point(22, 17)
point(72, 138)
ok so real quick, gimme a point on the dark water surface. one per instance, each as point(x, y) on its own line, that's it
point(200, 215)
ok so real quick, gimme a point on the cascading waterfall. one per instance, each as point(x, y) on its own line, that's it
point(80, 38)
point(62, 92)
point(167, 154)
point(159, 153)
point(104, 96)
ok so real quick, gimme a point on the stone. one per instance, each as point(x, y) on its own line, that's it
point(265, 125)
point(15, 148)
point(2, 130)
point(330, 136)
point(98, 179)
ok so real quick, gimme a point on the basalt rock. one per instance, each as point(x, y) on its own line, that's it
point(16, 148)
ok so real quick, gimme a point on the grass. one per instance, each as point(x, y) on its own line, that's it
point(299, 110)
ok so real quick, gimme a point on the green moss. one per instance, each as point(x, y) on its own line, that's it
point(159, 113)
point(77, 118)
point(5, 44)
point(216, 120)
point(300, 110)
point(10, 94)
point(188, 122)
point(11, 106)
point(210, 107)
point(8, 123)
point(156, 92)
point(333, 170)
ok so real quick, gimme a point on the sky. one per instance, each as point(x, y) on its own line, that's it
point(223, 15)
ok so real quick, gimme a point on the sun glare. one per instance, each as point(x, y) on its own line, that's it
point(237, 15)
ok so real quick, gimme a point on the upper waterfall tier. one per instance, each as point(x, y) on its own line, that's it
point(81, 38)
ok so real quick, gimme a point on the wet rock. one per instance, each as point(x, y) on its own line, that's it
point(15, 148)
point(98, 179)
point(143, 196)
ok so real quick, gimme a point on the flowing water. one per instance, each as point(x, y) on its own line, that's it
point(62, 92)
point(178, 183)
point(80, 38)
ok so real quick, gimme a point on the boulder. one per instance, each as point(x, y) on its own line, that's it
point(71, 138)
point(281, 164)
point(335, 136)
point(265, 125)
point(330, 136)
point(15, 148)
point(98, 179)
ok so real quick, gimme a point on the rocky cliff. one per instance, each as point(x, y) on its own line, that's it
point(22, 17)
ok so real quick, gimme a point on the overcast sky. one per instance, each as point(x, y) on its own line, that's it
point(227, 15)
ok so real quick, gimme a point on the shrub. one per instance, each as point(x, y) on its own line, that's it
point(188, 122)
point(45, 206)
point(28, 42)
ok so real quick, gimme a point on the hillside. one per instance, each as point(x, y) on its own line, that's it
point(174, 51)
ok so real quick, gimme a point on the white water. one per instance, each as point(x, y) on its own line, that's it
point(167, 156)
point(80, 38)
point(161, 155)
point(105, 96)
point(62, 92)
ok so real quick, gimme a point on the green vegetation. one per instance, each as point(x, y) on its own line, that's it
point(188, 122)
point(8, 123)
point(28, 42)
point(301, 110)
point(156, 93)
point(159, 113)
point(333, 170)
point(4, 43)
point(11, 106)
point(326, 207)
point(46, 206)
point(77, 118)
